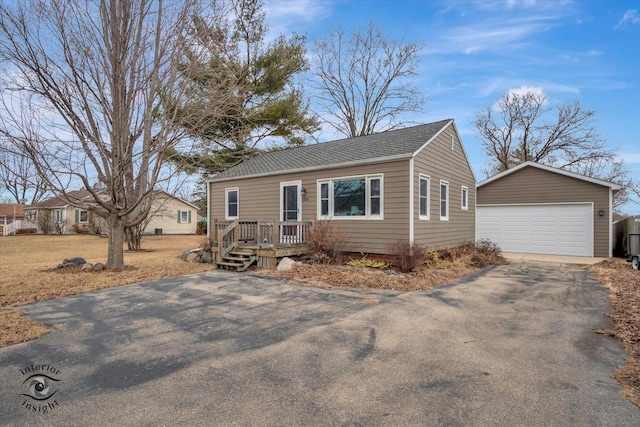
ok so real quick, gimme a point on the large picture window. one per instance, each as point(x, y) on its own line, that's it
point(232, 203)
point(351, 198)
point(424, 197)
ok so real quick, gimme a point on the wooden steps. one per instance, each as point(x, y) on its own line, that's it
point(238, 261)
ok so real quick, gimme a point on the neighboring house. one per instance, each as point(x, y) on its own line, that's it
point(10, 213)
point(538, 209)
point(171, 215)
point(57, 216)
point(413, 184)
point(168, 215)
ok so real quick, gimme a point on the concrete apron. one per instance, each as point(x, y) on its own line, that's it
point(552, 258)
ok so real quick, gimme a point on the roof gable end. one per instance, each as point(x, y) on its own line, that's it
point(574, 175)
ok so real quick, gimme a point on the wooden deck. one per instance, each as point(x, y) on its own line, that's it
point(265, 241)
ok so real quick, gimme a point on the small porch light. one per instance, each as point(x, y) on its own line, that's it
point(303, 192)
point(601, 212)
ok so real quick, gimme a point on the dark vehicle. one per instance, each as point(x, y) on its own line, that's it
point(633, 253)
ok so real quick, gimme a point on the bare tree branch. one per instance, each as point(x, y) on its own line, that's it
point(524, 126)
point(362, 80)
point(90, 94)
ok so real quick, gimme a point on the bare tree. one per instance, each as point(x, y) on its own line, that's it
point(159, 208)
point(523, 126)
point(19, 177)
point(362, 80)
point(91, 91)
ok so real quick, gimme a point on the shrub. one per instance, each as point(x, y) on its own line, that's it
point(80, 228)
point(206, 245)
point(201, 227)
point(368, 263)
point(327, 243)
point(408, 255)
point(487, 253)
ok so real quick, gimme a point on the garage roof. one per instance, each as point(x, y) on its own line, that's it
point(611, 185)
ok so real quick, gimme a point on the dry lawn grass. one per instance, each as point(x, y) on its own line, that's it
point(28, 272)
point(624, 294)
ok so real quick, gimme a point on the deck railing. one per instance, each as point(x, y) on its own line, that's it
point(227, 239)
point(263, 233)
point(18, 224)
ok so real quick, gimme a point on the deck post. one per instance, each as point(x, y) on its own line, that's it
point(276, 234)
point(220, 248)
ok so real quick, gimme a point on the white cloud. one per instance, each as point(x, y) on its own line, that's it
point(493, 35)
point(526, 3)
point(629, 158)
point(630, 16)
point(286, 15)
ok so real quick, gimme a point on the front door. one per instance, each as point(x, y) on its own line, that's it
point(290, 212)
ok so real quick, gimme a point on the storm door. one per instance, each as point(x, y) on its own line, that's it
point(290, 212)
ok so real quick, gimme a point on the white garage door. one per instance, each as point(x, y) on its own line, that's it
point(538, 229)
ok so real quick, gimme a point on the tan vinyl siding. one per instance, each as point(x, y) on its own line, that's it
point(439, 162)
point(259, 197)
point(532, 185)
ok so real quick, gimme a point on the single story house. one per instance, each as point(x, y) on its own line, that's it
point(171, 215)
point(413, 184)
point(168, 215)
point(10, 213)
point(533, 208)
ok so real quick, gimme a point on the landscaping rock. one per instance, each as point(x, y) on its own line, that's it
point(98, 266)
point(185, 254)
point(72, 262)
point(192, 257)
point(87, 267)
point(75, 261)
point(393, 273)
point(206, 258)
point(286, 264)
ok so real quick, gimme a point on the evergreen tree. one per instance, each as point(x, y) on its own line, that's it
point(264, 104)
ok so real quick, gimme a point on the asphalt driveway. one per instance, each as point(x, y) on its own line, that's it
point(510, 346)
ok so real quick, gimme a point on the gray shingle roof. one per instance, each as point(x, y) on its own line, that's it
point(393, 143)
point(60, 202)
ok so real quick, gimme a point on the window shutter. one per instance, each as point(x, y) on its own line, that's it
point(77, 211)
point(189, 217)
point(178, 216)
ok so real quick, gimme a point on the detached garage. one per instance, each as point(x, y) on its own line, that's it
point(538, 209)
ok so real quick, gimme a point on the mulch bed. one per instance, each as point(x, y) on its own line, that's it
point(624, 294)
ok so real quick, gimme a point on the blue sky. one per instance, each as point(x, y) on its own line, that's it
point(587, 50)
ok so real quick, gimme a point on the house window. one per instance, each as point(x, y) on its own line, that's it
point(464, 202)
point(82, 216)
point(324, 199)
point(231, 203)
point(57, 216)
point(351, 198)
point(374, 196)
point(444, 201)
point(424, 197)
point(184, 217)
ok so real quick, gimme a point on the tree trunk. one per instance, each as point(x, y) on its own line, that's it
point(115, 257)
point(134, 238)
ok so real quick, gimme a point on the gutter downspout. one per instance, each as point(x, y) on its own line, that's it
point(411, 202)
point(208, 184)
point(610, 223)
